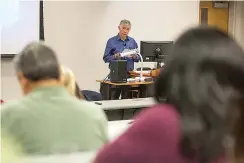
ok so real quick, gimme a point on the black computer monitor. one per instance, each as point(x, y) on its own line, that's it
point(152, 51)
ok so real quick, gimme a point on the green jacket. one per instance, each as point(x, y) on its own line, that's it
point(49, 120)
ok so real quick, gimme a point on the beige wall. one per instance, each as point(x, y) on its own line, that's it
point(78, 31)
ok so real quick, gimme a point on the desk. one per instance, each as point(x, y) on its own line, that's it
point(108, 87)
point(116, 128)
point(125, 108)
point(127, 103)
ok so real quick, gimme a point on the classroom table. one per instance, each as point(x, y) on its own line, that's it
point(126, 103)
point(124, 109)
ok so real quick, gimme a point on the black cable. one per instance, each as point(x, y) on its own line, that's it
point(106, 78)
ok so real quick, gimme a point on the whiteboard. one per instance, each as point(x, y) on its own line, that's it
point(19, 24)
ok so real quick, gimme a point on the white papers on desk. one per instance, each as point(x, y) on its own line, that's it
point(116, 128)
point(143, 72)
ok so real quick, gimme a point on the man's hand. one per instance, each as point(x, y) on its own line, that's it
point(117, 56)
point(134, 56)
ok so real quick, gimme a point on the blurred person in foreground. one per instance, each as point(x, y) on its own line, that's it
point(48, 120)
point(10, 151)
point(69, 82)
point(203, 82)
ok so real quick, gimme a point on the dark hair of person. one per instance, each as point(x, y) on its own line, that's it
point(37, 62)
point(203, 78)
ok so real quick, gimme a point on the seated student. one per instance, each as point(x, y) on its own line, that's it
point(48, 120)
point(203, 83)
point(68, 80)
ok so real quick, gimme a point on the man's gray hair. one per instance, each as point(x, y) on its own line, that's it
point(37, 62)
point(125, 21)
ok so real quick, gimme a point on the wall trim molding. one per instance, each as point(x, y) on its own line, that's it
point(232, 18)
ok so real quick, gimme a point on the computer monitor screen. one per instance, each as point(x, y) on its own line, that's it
point(151, 51)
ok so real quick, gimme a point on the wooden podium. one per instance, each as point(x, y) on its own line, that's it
point(142, 86)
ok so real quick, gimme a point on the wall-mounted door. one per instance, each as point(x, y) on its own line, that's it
point(214, 15)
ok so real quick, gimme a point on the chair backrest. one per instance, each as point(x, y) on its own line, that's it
point(92, 95)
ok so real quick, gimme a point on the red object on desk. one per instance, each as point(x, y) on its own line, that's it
point(2, 101)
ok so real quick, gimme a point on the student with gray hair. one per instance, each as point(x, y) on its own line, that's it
point(48, 119)
point(116, 45)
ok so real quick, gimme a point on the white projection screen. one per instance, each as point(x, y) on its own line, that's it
point(21, 21)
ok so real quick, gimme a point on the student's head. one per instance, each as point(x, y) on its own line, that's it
point(69, 82)
point(36, 65)
point(203, 78)
point(68, 79)
point(124, 28)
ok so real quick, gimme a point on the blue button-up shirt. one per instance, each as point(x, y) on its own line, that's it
point(116, 45)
